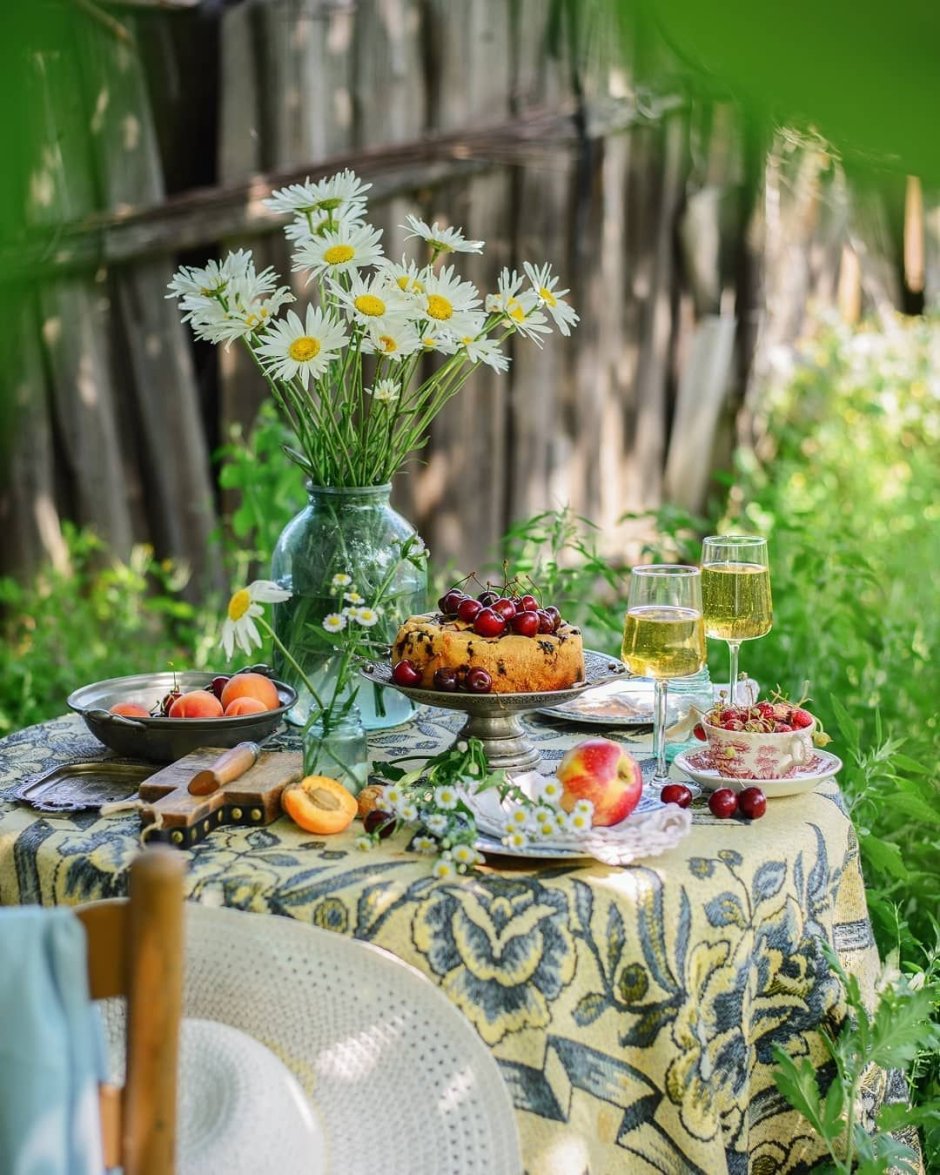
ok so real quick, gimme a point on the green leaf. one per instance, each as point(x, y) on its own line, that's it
point(588, 1008)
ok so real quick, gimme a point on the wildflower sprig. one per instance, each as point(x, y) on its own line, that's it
point(432, 802)
point(348, 373)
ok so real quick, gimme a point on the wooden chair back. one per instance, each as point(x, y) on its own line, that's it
point(135, 950)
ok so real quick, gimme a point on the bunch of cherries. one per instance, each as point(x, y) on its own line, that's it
point(751, 803)
point(490, 614)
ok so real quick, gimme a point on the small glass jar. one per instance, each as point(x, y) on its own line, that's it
point(338, 748)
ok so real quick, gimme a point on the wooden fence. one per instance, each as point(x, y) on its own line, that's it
point(518, 119)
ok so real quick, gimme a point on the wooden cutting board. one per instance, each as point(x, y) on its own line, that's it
point(173, 815)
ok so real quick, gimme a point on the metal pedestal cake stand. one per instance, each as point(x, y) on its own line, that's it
point(495, 718)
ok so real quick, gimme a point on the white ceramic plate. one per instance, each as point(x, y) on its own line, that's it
point(697, 765)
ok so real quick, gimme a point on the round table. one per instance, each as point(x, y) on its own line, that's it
point(633, 1010)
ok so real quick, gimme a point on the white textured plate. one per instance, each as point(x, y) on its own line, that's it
point(652, 828)
point(823, 765)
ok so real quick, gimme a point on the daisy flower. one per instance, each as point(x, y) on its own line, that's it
point(424, 844)
point(436, 823)
point(562, 821)
point(485, 351)
point(336, 193)
point(444, 870)
point(447, 299)
point(364, 844)
point(408, 812)
point(314, 224)
point(407, 275)
point(239, 625)
point(294, 348)
point(209, 280)
point(516, 839)
point(371, 300)
point(386, 391)
point(334, 622)
point(354, 598)
point(519, 818)
point(583, 808)
point(465, 854)
point(579, 822)
point(547, 828)
point(543, 283)
point(517, 306)
point(340, 580)
point(396, 341)
point(340, 250)
point(445, 797)
point(367, 617)
point(550, 790)
point(441, 240)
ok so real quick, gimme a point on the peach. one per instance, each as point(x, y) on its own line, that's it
point(130, 710)
point(245, 705)
point(319, 804)
point(251, 685)
point(198, 703)
point(600, 770)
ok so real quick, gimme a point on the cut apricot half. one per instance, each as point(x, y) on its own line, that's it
point(319, 804)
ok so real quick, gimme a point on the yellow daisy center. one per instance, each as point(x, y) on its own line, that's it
point(304, 348)
point(515, 310)
point(439, 307)
point(388, 344)
point(547, 296)
point(369, 304)
point(239, 604)
point(337, 254)
point(252, 320)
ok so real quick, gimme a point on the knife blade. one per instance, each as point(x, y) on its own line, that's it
point(228, 766)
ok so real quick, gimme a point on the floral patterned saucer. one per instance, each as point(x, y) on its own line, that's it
point(698, 766)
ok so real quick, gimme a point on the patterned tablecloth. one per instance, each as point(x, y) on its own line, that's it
point(632, 1010)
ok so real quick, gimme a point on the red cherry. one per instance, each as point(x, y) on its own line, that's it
point(800, 719)
point(676, 793)
point(528, 604)
point(699, 731)
point(478, 681)
point(450, 601)
point(525, 623)
point(729, 714)
point(487, 598)
point(381, 822)
point(765, 709)
point(505, 607)
point(782, 728)
point(445, 680)
point(732, 724)
point(469, 609)
point(723, 803)
point(752, 802)
point(546, 622)
point(489, 623)
point(404, 673)
point(218, 685)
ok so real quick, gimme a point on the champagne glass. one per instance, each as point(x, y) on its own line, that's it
point(663, 637)
point(736, 593)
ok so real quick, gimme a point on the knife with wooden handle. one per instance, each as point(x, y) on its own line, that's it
point(230, 765)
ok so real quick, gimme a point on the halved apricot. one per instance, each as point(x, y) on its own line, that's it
point(251, 685)
point(319, 804)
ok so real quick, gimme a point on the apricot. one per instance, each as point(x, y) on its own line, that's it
point(245, 705)
point(251, 685)
point(130, 710)
point(198, 703)
point(319, 804)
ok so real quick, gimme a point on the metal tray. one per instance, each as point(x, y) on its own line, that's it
point(80, 787)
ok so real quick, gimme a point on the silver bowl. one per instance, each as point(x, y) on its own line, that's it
point(494, 718)
point(164, 740)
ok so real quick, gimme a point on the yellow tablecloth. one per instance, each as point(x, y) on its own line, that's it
point(632, 1010)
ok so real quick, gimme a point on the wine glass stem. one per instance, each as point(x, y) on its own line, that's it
point(661, 772)
point(734, 647)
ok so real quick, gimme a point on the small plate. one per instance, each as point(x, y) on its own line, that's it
point(697, 765)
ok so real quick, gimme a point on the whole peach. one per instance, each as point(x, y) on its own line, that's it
point(130, 710)
point(244, 705)
point(251, 685)
point(198, 703)
point(600, 770)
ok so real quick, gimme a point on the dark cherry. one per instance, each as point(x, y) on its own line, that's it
point(528, 604)
point(487, 598)
point(676, 793)
point(478, 681)
point(450, 601)
point(752, 802)
point(723, 803)
point(404, 673)
point(489, 623)
point(469, 609)
point(546, 622)
point(525, 623)
point(218, 685)
point(446, 679)
point(381, 822)
point(556, 617)
point(167, 701)
point(505, 607)
point(699, 731)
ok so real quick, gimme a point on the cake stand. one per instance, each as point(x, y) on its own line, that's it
point(495, 718)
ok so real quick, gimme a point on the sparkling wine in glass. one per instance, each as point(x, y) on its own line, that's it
point(663, 637)
point(736, 593)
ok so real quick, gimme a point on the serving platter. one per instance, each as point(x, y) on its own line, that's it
point(823, 765)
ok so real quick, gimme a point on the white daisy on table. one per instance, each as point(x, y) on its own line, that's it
point(340, 580)
point(364, 844)
point(486, 351)
point(444, 870)
point(516, 839)
point(245, 605)
point(564, 315)
point(562, 821)
point(407, 276)
point(340, 250)
point(293, 348)
point(408, 812)
point(333, 194)
point(385, 391)
point(441, 240)
point(424, 844)
point(519, 818)
point(396, 341)
point(334, 622)
point(550, 790)
point(372, 301)
point(436, 823)
point(445, 797)
point(465, 854)
point(367, 617)
point(547, 828)
point(579, 821)
point(583, 807)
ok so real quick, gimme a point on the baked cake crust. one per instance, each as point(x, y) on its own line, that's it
point(517, 664)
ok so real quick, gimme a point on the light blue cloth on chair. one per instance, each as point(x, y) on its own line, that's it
point(51, 1054)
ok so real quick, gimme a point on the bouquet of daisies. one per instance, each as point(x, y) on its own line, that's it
point(349, 372)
